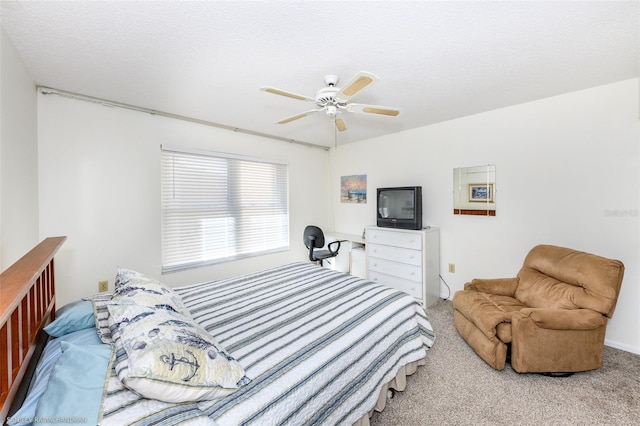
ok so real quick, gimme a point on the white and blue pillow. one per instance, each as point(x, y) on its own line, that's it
point(163, 355)
point(134, 287)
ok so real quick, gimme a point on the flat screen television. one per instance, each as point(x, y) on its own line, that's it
point(400, 207)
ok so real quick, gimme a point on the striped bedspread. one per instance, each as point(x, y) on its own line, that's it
point(317, 344)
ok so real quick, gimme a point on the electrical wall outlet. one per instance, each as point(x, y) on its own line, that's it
point(103, 286)
point(452, 268)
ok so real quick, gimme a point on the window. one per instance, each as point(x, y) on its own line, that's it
point(218, 207)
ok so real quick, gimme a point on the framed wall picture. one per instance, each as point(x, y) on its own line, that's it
point(481, 192)
point(353, 189)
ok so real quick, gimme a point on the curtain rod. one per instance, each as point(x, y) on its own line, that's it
point(105, 102)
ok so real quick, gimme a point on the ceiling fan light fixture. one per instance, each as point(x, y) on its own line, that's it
point(331, 110)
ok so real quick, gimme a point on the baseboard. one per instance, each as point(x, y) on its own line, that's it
point(622, 346)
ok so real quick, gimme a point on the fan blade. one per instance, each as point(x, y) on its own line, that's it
point(340, 124)
point(287, 94)
point(373, 109)
point(297, 116)
point(356, 84)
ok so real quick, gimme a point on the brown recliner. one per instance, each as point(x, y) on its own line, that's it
point(552, 316)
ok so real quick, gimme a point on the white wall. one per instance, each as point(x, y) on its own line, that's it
point(567, 173)
point(100, 186)
point(18, 157)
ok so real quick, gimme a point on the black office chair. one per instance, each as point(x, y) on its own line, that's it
point(314, 239)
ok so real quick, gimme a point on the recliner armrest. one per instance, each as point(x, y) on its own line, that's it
point(563, 319)
point(500, 286)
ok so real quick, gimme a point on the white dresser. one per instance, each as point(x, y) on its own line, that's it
point(405, 259)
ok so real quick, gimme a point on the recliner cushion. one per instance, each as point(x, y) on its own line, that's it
point(562, 278)
point(487, 311)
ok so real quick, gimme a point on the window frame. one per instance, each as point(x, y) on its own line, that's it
point(234, 218)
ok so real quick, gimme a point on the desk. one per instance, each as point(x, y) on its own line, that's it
point(351, 258)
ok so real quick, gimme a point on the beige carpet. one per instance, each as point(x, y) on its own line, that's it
point(456, 387)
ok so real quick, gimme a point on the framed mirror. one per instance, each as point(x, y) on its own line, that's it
point(474, 190)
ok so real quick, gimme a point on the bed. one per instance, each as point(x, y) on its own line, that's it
point(300, 344)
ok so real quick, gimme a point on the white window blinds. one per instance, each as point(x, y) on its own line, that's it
point(218, 207)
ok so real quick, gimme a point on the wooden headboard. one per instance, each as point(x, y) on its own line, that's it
point(27, 304)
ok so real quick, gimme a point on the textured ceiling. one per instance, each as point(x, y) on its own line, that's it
point(435, 60)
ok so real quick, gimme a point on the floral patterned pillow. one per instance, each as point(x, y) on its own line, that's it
point(163, 355)
point(132, 286)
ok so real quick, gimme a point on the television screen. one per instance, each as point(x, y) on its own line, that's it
point(396, 204)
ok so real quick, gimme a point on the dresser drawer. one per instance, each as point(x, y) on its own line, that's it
point(411, 287)
point(396, 269)
point(409, 240)
point(398, 254)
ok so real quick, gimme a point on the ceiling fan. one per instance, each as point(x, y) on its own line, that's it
point(333, 100)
